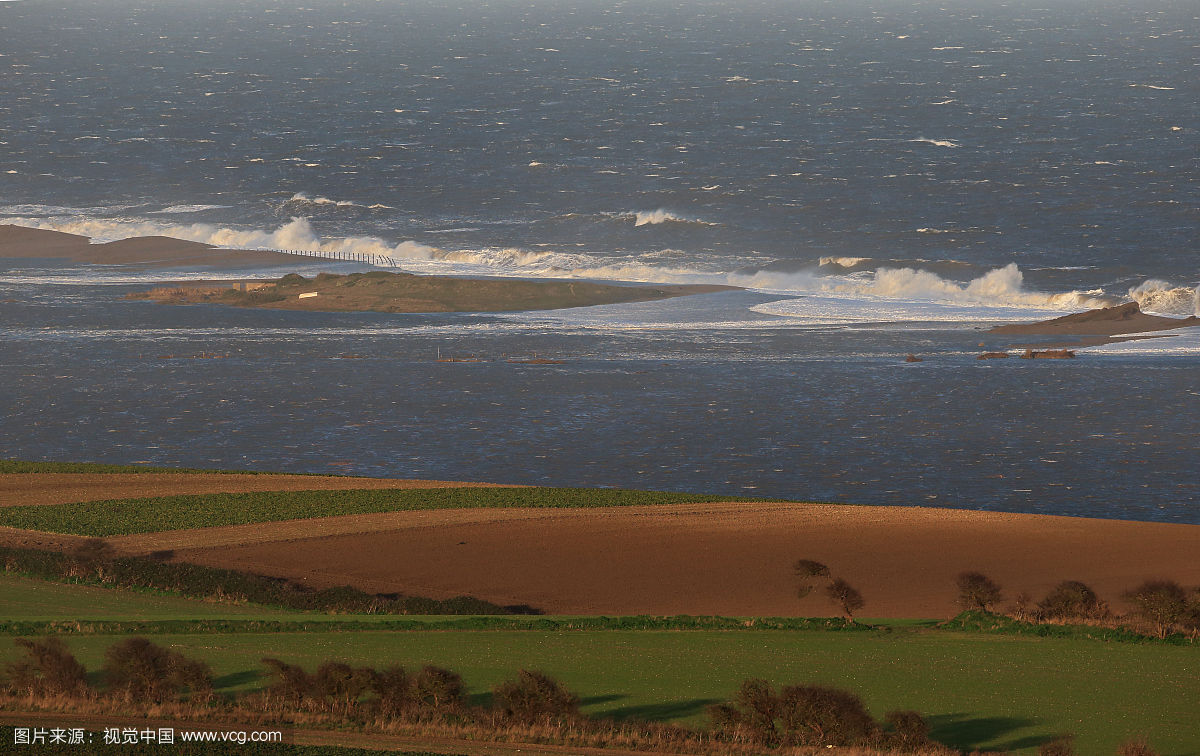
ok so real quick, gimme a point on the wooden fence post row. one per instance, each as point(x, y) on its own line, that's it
point(382, 261)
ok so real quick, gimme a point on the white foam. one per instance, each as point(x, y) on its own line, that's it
point(180, 209)
point(844, 262)
point(910, 294)
point(304, 199)
point(655, 217)
point(1157, 296)
point(937, 142)
point(1181, 342)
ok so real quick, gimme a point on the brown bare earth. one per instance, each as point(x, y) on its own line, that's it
point(147, 251)
point(715, 558)
point(724, 558)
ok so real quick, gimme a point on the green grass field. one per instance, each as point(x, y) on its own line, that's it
point(979, 690)
point(127, 516)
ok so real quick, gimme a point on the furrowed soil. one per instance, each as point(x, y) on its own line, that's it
point(732, 559)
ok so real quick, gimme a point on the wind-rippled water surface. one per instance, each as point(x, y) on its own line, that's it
point(884, 179)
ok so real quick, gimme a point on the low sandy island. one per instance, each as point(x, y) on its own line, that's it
point(1100, 326)
point(715, 558)
point(383, 291)
point(143, 251)
point(378, 291)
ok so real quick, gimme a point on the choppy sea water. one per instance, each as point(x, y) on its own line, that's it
point(884, 179)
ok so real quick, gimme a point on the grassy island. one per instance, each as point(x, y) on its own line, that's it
point(383, 291)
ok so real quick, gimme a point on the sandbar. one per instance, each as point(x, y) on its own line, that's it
point(1100, 326)
point(143, 251)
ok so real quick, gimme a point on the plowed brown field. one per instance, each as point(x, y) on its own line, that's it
point(726, 558)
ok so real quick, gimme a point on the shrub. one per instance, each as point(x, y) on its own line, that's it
point(438, 689)
point(1063, 745)
point(976, 591)
point(141, 671)
point(48, 669)
point(394, 686)
point(1136, 747)
point(533, 696)
point(339, 686)
point(759, 706)
point(1070, 599)
point(290, 685)
point(846, 597)
point(750, 716)
point(816, 716)
point(909, 730)
point(1162, 602)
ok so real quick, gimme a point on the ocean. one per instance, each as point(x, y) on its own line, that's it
point(882, 178)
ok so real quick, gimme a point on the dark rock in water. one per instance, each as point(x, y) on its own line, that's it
point(913, 358)
point(992, 356)
point(1049, 354)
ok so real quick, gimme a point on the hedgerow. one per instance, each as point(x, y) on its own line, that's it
point(198, 581)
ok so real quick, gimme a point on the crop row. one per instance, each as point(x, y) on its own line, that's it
point(150, 515)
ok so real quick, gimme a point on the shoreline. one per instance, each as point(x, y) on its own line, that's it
point(376, 291)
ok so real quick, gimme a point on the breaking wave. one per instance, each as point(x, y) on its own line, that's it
point(880, 291)
point(999, 288)
point(655, 217)
point(297, 234)
point(1158, 296)
point(181, 209)
point(301, 198)
point(843, 262)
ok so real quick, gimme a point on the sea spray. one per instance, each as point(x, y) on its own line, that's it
point(1158, 296)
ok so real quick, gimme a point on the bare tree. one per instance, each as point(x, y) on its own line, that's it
point(845, 596)
point(1162, 602)
point(977, 591)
